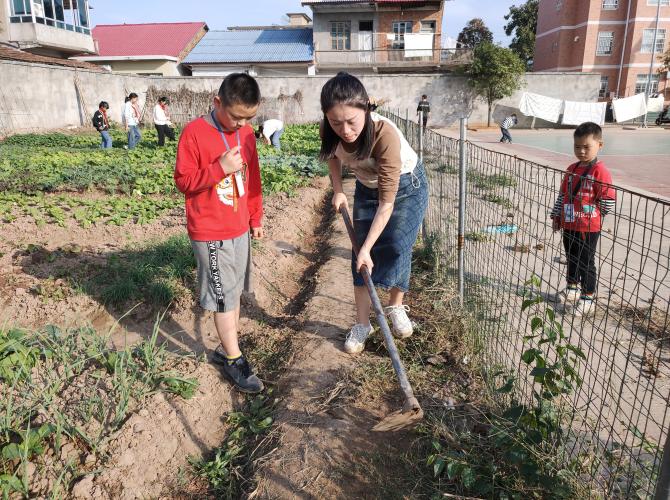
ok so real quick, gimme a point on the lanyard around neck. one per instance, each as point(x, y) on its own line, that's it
point(218, 127)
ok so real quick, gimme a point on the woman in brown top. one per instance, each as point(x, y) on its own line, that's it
point(389, 203)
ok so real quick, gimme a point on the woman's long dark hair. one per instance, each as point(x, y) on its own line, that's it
point(345, 89)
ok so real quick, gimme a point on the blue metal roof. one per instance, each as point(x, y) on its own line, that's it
point(275, 46)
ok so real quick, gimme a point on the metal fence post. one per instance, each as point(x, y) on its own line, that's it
point(406, 121)
point(663, 483)
point(461, 210)
point(421, 135)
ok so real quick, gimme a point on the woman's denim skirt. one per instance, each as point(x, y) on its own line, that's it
point(392, 253)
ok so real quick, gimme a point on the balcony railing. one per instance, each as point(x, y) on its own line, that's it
point(392, 58)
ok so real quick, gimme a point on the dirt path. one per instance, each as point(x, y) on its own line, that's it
point(326, 448)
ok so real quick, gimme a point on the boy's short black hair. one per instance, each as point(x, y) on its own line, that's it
point(424, 96)
point(240, 88)
point(164, 100)
point(589, 128)
point(132, 95)
point(103, 104)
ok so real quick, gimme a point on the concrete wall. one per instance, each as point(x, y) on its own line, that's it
point(40, 97)
point(4, 22)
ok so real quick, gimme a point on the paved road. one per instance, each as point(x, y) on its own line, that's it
point(622, 153)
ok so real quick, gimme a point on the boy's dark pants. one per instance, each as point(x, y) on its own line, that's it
point(505, 135)
point(580, 250)
point(164, 130)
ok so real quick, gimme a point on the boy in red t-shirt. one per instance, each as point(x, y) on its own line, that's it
point(217, 170)
point(586, 196)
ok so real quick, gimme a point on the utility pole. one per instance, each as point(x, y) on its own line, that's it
point(653, 56)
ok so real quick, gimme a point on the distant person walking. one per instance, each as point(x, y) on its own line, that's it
point(423, 107)
point(271, 130)
point(131, 113)
point(162, 121)
point(101, 124)
point(507, 124)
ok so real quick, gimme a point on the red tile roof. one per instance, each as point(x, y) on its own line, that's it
point(11, 54)
point(164, 39)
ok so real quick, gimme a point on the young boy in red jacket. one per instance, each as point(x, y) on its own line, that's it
point(586, 196)
point(217, 170)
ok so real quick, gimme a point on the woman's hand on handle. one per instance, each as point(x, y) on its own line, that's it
point(364, 259)
point(339, 200)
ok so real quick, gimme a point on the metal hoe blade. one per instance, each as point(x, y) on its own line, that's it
point(411, 411)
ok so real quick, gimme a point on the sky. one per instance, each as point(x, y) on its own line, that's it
point(219, 14)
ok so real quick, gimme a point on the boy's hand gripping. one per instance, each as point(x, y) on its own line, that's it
point(231, 161)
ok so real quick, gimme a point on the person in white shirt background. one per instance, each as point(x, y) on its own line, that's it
point(271, 130)
point(162, 121)
point(131, 113)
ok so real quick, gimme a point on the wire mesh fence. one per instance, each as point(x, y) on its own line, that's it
point(617, 420)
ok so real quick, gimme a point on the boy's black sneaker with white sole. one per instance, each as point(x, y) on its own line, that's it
point(238, 372)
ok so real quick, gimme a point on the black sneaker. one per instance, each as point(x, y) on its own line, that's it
point(239, 373)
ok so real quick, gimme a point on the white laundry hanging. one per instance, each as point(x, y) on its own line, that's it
point(629, 107)
point(418, 44)
point(576, 113)
point(546, 108)
point(655, 104)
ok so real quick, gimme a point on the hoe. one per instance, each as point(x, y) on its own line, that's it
point(411, 411)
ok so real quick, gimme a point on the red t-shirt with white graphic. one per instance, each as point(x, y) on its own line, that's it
point(595, 192)
point(215, 208)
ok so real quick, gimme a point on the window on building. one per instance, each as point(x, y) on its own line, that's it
point(641, 83)
point(427, 26)
point(648, 41)
point(399, 30)
point(604, 86)
point(340, 35)
point(20, 7)
point(365, 26)
point(71, 15)
point(655, 2)
point(605, 43)
point(610, 4)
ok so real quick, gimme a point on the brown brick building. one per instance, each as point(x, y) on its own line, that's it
point(611, 37)
point(379, 35)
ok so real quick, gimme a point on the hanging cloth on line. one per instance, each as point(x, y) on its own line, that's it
point(576, 113)
point(629, 107)
point(546, 108)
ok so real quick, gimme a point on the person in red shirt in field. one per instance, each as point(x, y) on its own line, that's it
point(586, 196)
point(217, 170)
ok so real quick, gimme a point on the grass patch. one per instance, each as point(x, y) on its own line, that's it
point(64, 393)
point(157, 273)
point(477, 237)
point(498, 200)
point(492, 181)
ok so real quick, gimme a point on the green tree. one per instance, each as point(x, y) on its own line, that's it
point(474, 33)
point(665, 60)
point(495, 72)
point(522, 21)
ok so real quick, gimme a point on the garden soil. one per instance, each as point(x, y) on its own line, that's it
point(324, 448)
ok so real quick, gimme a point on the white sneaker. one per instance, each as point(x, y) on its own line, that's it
point(355, 342)
point(571, 294)
point(402, 326)
point(584, 307)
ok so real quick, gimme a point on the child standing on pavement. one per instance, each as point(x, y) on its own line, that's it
point(585, 197)
point(389, 203)
point(507, 124)
point(217, 170)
